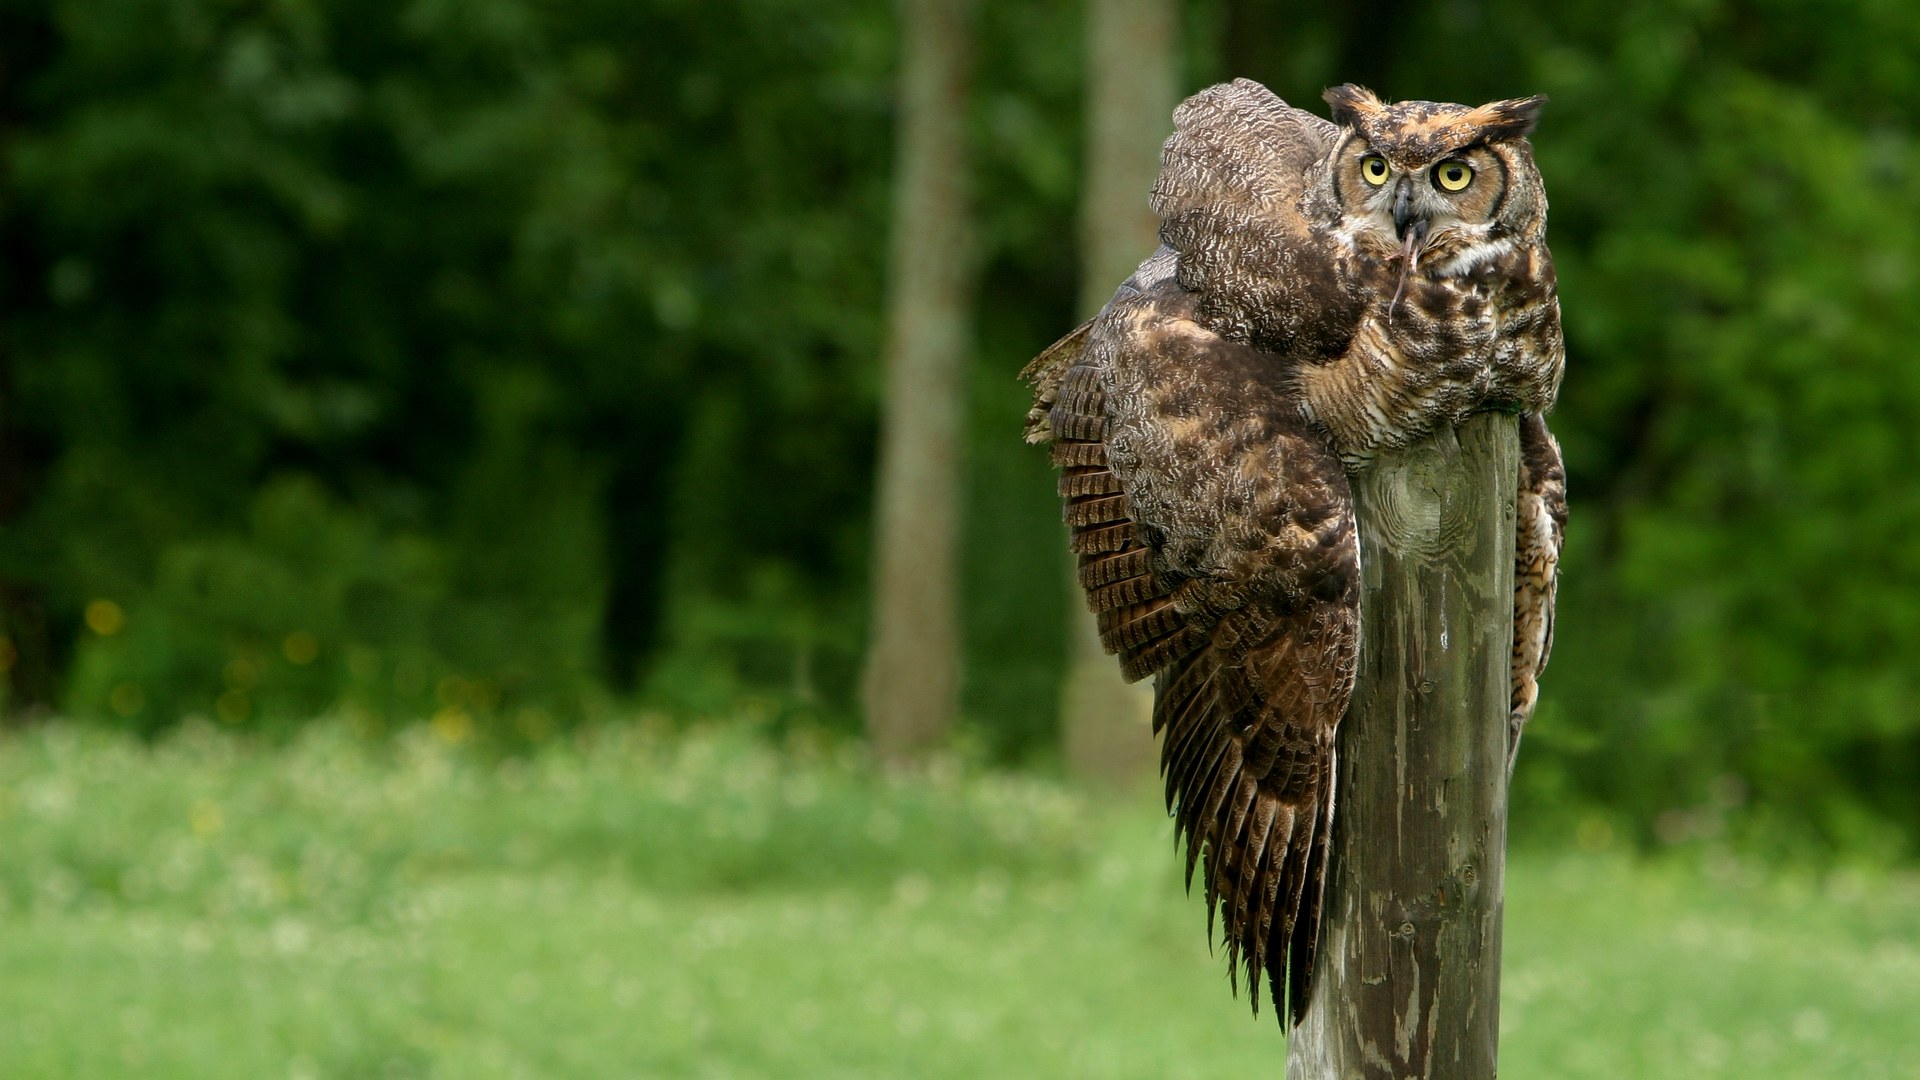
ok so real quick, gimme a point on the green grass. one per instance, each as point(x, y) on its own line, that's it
point(633, 904)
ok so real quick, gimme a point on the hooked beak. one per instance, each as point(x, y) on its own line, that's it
point(1403, 210)
point(1413, 237)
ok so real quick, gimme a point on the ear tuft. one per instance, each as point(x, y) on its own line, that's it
point(1350, 103)
point(1510, 119)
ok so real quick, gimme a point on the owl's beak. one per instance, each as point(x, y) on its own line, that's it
point(1402, 206)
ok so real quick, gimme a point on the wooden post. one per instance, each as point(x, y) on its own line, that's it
point(1408, 977)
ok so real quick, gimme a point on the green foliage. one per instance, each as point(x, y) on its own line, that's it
point(1737, 611)
point(480, 281)
point(522, 355)
point(626, 903)
point(313, 606)
point(1740, 582)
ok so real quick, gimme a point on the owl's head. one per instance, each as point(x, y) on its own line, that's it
point(1443, 187)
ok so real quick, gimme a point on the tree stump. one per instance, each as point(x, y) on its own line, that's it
point(1407, 982)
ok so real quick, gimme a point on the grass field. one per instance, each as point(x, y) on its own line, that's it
point(631, 904)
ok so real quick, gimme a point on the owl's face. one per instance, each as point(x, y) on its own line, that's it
point(1443, 188)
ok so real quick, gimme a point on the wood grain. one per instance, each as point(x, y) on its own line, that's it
point(1408, 976)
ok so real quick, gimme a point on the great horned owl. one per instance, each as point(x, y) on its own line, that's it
point(1323, 292)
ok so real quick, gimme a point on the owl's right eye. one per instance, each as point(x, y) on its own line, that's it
point(1374, 168)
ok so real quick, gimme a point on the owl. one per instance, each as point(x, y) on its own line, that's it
point(1324, 292)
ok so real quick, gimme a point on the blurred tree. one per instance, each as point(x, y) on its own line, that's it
point(1027, 142)
point(913, 663)
point(1132, 57)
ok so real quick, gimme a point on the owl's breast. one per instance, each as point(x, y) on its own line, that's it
point(1434, 347)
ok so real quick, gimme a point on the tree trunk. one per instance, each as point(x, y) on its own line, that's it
point(1408, 979)
point(1131, 46)
point(912, 678)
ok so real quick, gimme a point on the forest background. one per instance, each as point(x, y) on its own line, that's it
point(518, 366)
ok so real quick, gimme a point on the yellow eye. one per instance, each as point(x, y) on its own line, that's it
point(1452, 175)
point(1374, 168)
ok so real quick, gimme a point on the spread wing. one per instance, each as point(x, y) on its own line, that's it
point(1542, 524)
point(1217, 547)
point(1229, 196)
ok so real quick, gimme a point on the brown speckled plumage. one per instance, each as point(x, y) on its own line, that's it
point(1299, 318)
point(1542, 524)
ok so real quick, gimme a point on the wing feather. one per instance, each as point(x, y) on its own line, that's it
point(1097, 510)
point(1116, 566)
point(1301, 943)
point(1045, 372)
point(1132, 628)
point(1217, 550)
point(1192, 786)
point(1097, 539)
point(1233, 861)
point(1078, 482)
point(1160, 653)
point(1540, 523)
point(1069, 452)
point(1228, 196)
point(1252, 854)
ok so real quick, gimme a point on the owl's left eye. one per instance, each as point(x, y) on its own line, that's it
point(1374, 168)
point(1452, 175)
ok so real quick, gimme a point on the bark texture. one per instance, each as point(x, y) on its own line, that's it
point(912, 680)
point(1408, 976)
point(1131, 90)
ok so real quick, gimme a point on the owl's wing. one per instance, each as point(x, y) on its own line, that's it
point(1237, 145)
point(1542, 525)
point(1229, 195)
point(1217, 547)
point(1045, 372)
